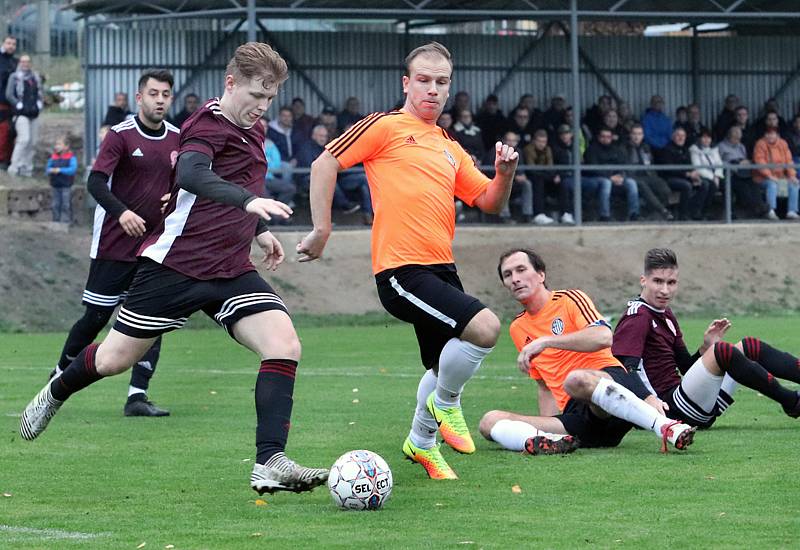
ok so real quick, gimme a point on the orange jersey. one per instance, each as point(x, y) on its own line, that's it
point(567, 311)
point(414, 170)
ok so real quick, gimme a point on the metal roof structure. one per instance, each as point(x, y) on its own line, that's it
point(448, 10)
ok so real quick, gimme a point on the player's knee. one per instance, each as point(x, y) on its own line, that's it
point(109, 361)
point(483, 330)
point(580, 384)
point(288, 347)
point(487, 423)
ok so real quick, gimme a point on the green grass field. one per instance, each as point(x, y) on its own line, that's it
point(96, 479)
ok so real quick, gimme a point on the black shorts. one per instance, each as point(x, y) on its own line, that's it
point(590, 429)
point(108, 283)
point(161, 300)
point(431, 298)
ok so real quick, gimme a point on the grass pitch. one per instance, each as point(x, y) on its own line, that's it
point(96, 479)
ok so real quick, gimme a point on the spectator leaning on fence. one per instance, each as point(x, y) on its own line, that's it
point(61, 168)
point(24, 92)
point(771, 149)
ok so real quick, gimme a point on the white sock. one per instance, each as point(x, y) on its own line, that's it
point(424, 427)
point(622, 403)
point(133, 390)
point(512, 434)
point(457, 364)
point(729, 385)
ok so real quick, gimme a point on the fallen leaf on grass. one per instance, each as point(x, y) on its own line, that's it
point(513, 387)
point(257, 535)
point(245, 460)
point(142, 545)
point(710, 477)
point(6, 495)
point(720, 514)
point(438, 504)
point(212, 392)
point(382, 370)
point(350, 423)
point(355, 390)
point(516, 489)
point(355, 400)
point(261, 502)
point(170, 546)
point(466, 542)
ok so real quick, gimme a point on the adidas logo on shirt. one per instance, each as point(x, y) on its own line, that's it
point(411, 141)
point(137, 153)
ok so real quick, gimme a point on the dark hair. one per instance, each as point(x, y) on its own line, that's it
point(285, 108)
point(536, 261)
point(161, 75)
point(660, 258)
point(605, 129)
point(191, 94)
point(637, 125)
point(540, 133)
point(705, 132)
point(429, 49)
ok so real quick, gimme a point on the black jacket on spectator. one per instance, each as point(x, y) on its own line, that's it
point(692, 131)
point(470, 138)
point(552, 119)
point(724, 121)
point(8, 64)
point(491, 126)
point(115, 115)
point(562, 154)
point(641, 155)
point(597, 153)
point(672, 154)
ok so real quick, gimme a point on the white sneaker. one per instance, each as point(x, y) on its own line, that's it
point(679, 434)
point(543, 219)
point(771, 215)
point(38, 413)
point(792, 215)
point(282, 474)
point(567, 218)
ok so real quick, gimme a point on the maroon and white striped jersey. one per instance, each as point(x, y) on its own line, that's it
point(201, 238)
point(139, 166)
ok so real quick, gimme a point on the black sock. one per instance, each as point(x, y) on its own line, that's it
point(779, 363)
point(79, 374)
point(274, 389)
point(83, 333)
point(751, 374)
point(144, 369)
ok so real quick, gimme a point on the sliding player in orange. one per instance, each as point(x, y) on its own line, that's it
point(414, 171)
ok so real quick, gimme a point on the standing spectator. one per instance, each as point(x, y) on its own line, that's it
point(692, 125)
point(119, 111)
point(657, 126)
point(653, 189)
point(281, 132)
point(461, 101)
point(303, 122)
point(726, 117)
point(553, 117)
point(61, 168)
point(190, 104)
point(468, 135)
point(491, 121)
point(748, 194)
point(349, 115)
point(603, 150)
point(703, 158)
point(327, 118)
point(24, 92)
point(562, 155)
point(771, 149)
point(535, 120)
point(686, 181)
point(519, 125)
point(8, 64)
point(539, 153)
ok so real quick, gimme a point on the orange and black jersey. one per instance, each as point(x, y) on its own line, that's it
point(414, 170)
point(567, 311)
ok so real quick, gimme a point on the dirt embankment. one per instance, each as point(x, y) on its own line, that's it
point(724, 269)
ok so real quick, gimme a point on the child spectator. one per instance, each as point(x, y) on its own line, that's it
point(61, 168)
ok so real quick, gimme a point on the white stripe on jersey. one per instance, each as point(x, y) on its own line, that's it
point(643, 376)
point(97, 228)
point(237, 302)
point(427, 308)
point(634, 305)
point(173, 227)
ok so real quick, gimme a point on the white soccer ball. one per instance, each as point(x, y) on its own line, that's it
point(360, 480)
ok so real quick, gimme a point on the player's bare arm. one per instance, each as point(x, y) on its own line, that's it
point(323, 183)
point(589, 339)
point(496, 195)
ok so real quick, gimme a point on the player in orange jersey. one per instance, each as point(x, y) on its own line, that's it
point(584, 392)
point(414, 171)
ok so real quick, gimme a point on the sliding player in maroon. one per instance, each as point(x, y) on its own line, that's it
point(198, 259)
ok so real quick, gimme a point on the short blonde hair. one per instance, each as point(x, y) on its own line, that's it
point(431, 49)
point(257, 60)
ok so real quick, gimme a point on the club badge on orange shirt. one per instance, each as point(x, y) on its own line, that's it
point(450, 158)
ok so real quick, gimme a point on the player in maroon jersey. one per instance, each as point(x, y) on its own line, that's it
point(131, 174)
point(649, 341)
point(198, 259)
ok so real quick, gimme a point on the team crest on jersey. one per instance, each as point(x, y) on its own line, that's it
point(450, 158)
point(557, 326)
point(671, 327)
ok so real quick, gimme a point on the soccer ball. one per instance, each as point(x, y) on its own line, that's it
point(360, 480)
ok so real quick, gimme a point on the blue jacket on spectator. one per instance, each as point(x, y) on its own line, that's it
point(273, 158)
point(67, 165)
point(657, 128)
